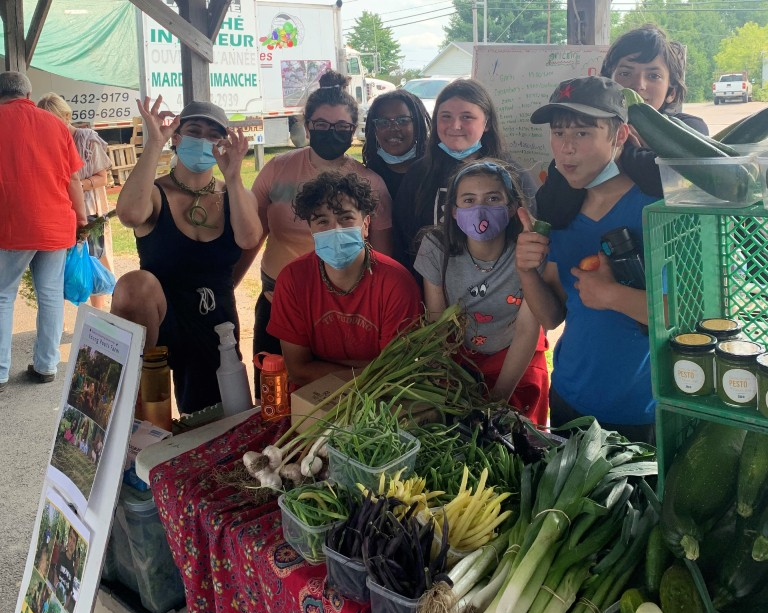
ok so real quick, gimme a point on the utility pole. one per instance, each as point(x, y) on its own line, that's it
point(485, 22)
point(474, 22)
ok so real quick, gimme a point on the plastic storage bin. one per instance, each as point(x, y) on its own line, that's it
point(142, 557)
point(762, 162)
point(708, 262)
point(307, 540)
point(346, 576)
point(680, 190)
point(347, 471)
point(386, 601)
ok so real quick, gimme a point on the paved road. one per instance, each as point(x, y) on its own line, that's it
point(29, 410)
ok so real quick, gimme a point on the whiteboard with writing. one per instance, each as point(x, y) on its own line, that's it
point(520, 79)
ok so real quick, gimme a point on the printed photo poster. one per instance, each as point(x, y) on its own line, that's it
point(85, 419)
point(60, 554)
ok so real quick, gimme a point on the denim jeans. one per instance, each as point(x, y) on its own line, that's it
point(48, 278)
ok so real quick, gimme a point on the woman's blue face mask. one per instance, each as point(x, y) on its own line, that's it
point(196, 153)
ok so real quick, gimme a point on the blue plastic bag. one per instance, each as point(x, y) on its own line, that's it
point(78, 274)
point(103, 279)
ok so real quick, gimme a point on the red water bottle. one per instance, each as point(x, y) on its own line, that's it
point(273, 381)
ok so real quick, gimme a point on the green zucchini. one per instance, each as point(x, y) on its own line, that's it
point(631, 96)
point(739, 575)
point(700, 486)
point(631, 599)
point(753, 472)
point(729, 151)
point(760, 546)
point(678, 592)
point(657, 558)
point(729, 182)
point(751, 129)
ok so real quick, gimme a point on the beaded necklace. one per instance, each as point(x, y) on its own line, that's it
point(340, 292)
point(197, 215)
point(481, 268)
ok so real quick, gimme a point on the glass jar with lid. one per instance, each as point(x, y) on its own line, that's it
point(722, 328)
point(736, 368)
point(762, 383)
point(693, 363)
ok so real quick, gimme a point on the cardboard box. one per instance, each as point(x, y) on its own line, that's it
point(304, 399)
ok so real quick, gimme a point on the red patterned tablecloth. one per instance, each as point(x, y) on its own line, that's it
point(230, 551)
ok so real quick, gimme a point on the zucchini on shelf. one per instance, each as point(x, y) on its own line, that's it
point(729, 182)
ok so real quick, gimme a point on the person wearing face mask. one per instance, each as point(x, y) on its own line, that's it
point(338, 306)
point(396, 131)
point(602, 360)
point(330, 118)
point(469, 260)
point(190, 230)
point(465, 126)
point(644, 60)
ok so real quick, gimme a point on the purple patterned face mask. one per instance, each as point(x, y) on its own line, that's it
point(483, 222)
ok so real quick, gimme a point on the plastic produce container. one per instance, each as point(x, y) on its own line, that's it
point(347, 471)
point(158, 580)
point(346, 576)
point(386, 601)
point(679, 189)
point(307, 540)
point(762, 162)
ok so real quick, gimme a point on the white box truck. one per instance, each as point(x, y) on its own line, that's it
point(268, 57)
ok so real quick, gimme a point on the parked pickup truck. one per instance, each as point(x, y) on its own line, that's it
point(732, 86)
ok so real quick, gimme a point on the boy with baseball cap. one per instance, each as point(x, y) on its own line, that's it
point(601, 362)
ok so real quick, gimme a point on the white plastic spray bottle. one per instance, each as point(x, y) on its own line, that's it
point(233, 379)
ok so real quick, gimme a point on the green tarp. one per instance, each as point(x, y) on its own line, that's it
point(89, 40)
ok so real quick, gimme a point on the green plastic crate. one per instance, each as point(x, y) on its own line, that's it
point(673, 427)
point(715, 262)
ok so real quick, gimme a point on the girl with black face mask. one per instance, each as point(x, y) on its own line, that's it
point(330, 119)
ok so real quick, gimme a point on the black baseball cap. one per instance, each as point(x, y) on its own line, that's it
point(205, 110)
point(597, 97)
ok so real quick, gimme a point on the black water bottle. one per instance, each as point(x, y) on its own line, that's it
point(626, 259)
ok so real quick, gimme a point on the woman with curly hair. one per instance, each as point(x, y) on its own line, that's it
point(396, 132)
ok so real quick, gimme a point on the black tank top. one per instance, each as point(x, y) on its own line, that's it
point(182, 263)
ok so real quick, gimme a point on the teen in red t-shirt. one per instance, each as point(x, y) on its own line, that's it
point(340, 305)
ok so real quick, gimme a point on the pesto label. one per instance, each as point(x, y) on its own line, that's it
point(739, 385)
point(689, 376)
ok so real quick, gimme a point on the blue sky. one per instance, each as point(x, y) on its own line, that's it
point(416, 24)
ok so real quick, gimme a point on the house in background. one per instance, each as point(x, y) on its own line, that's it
point(453, 61)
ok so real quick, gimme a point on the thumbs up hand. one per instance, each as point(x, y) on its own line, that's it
point(532, 247)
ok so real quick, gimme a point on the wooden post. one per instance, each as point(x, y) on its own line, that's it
point(589, 22)
point(13, 31)
point(195, 72)
point(36, 27)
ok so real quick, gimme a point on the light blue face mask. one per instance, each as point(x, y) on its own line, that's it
point(396, 159)
point(610, 171)
point(196, 153)
point(339, 247)
point(464, 153)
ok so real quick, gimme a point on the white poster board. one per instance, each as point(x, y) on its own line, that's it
point(520, 79)
point(85, 468)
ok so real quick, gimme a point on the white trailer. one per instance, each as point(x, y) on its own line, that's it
point(268, 57)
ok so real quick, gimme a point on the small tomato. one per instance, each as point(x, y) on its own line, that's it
point(591, 262)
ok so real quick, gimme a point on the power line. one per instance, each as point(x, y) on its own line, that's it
point(450, 2)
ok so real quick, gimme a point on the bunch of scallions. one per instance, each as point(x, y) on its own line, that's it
point(585, 515)
point(417, 365)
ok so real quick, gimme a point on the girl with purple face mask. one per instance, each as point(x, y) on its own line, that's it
point(470, 259)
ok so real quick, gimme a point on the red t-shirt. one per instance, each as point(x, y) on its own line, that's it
point(352, 327)
point(37, 159)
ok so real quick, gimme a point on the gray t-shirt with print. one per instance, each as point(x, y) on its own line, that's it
point(489, 292)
